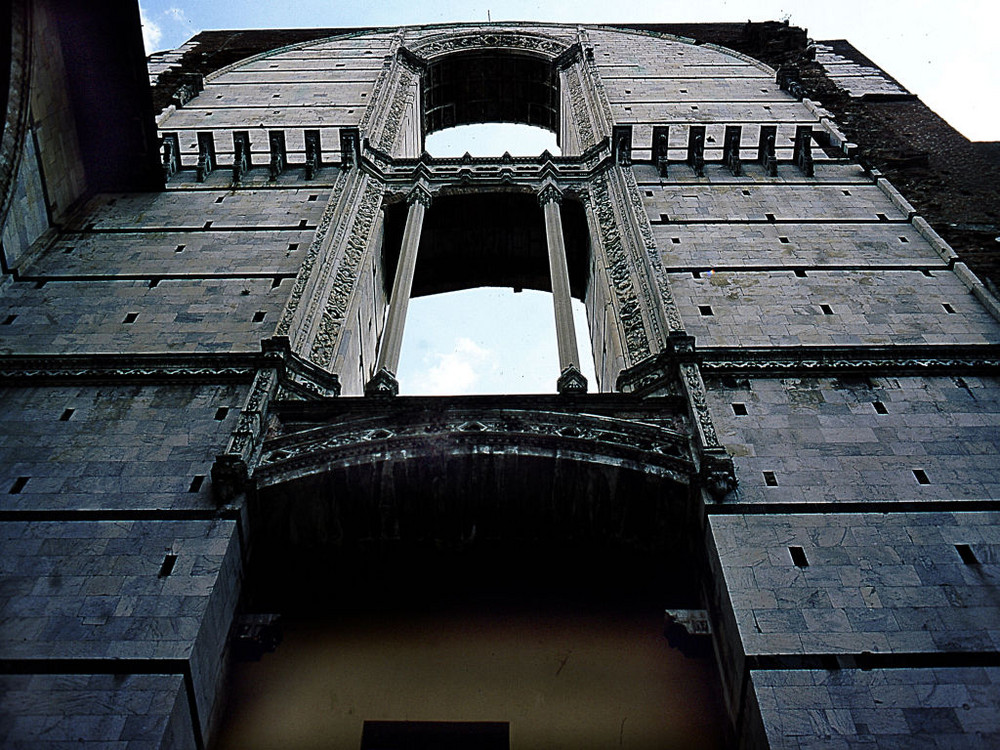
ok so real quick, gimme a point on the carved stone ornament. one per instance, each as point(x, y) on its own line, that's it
point(442, 45)
point(619, 269)
point(571, 381)
point(648, 447)
point(718, 473)
point(383, 383)
point(346, 276)
point(549, 193)
point(305, 270)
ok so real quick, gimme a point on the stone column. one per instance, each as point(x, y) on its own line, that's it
point(384, 380)
point(571, 380)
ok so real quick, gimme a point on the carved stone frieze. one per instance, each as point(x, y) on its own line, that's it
point(641, 219)
point(312, 254)
point(444, 44)
point(860, 363)
point(581, 112)
point(620, 272)
point(403, 92)
point(335, 309)
point(379, 91)
point(695, 387)
point(656, 448)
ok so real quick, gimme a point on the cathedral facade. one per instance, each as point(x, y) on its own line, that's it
point(794, 428)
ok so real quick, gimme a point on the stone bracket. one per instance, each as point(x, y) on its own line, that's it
point(766, 149)
point(192, 84)
point(661, 148)
point(242, 161)
point(350, 147)
point(279, 154)
point(731, 149)
point(802, 154)
point(206, 155)
point(314, 154)
point(688, 630)
point(171, 155)
point(233, 469)
point(696, 149)
point(621, 137)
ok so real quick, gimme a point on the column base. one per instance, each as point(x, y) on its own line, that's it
point(383, 383)
point(571, 381)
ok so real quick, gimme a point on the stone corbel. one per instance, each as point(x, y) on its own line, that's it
point(350, 154)
point(314, 154)
point(171, 155)
point(803, 149)
point(570, 56)
point(206, 155)
point(696, 149)
point(279, 154)
point(232, 469)
point(661, 148)
point(192, 84)
point(731, 149)
point(241, 156)
point(621, 137)
point(411, 60)
point(382, 384)
point(571, 381)
point(766, 149)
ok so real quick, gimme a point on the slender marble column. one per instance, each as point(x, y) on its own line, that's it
point(569, 366)
point(384, 380)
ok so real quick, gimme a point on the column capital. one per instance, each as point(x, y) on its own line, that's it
point(549, 192)
point(420, 192)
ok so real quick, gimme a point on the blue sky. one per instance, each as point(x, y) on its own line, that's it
point(495, 341)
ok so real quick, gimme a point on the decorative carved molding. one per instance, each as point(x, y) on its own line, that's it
point(652, 448)
point(465, 40)
point(402, 97)
point(641, 221)
point(889, 360)
point(312, 254)
point(335, 309)
point(581, 112)
point(383, 383)
point(571, 381)
point(695, 387)
point(619, 270)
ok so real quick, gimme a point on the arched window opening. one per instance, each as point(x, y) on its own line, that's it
point(485, 340)
point(490, 86)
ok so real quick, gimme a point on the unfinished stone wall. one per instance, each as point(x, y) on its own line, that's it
point(808, 335)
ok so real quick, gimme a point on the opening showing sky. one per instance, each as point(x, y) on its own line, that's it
point(487, 340)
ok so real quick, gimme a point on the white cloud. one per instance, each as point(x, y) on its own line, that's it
point(151, 32)
point(458, 371)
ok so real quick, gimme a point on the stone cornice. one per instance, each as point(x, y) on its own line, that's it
point(445, 175)
point(296, 374)
point(811, 361)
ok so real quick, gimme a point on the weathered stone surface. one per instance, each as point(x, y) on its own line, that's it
point(809, 429)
